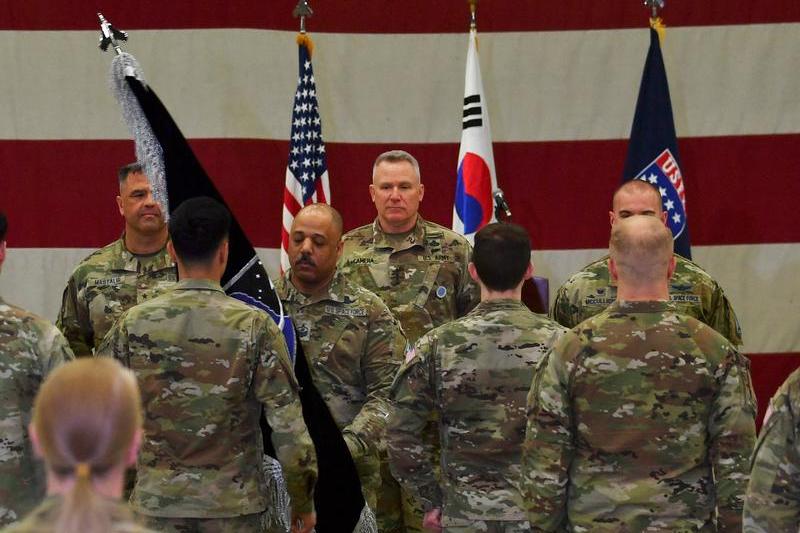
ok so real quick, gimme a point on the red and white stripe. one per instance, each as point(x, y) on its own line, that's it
point(561, 84)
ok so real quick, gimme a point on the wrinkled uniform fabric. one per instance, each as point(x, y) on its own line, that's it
point(773, 495)
point(691, 289)
point(30, 347)
point(639, 418)
point(475, 373)
point(422, 278)
point(106, 284)
point(206, 364)
point(354, 347)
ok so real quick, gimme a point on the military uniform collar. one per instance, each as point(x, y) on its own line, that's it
point(649, 306)
point(123, 259)
point(415, 238)
point(336, 291)
point(199, 284)
point(498, 305)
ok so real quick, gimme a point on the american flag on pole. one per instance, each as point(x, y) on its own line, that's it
point(307, 170)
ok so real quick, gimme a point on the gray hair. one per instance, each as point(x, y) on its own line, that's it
point(396, 156)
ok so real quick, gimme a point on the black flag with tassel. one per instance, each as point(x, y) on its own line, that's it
point(177, 175)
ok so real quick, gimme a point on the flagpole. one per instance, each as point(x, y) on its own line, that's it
point(109, 35)
point(654, 6)
point(302, 10)
point(473, 19)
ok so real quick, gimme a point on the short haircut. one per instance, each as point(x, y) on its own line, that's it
point(3, 226)
point(396, 156)
point(197, 229)
point(127, 170)
point(336, 217)
point(641, 247)
point(501, 255)
point(638, 186)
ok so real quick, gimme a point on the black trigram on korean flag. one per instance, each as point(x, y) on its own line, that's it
point(473, 112)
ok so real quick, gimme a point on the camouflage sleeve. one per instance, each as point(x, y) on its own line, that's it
point(562, 308)
point(276, 387)
point(383, 355)
point(731, 438)
point(772, 502)
point(548, 446)
point(411, 458)
point(73, 321)
point(53, 348)
point(722, 317)
point(115, 343)
point(469, 294)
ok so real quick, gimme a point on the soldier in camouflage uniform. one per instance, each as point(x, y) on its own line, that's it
point(691, 289)
point(418, 268)
point(772, 502)
point(128, 271)
point(206, 364)
point(641, 418)
point(476, 373)
point(30, 347)
point(353, 344)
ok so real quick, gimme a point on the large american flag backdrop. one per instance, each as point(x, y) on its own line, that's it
point(561, 81)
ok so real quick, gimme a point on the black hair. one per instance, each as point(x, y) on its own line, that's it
point(3, 226)
point(501, 255)
point(197, 229)
point(127, 170)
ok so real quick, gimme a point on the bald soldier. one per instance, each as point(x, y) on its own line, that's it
point(641, 418)
point(418, 268)
point(207, 365)
point(130, 270)
point(691, 289)
point(475, 372)
point(353, 344)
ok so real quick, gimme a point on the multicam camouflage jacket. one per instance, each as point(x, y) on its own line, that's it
point(103, 286)
point(476, 373)
point(206, 363)
point(44, 518)
point(772, 502)
point(639, 418)
point(421, 276)
point(691, 289)
point(30, 347)
point(354, 347)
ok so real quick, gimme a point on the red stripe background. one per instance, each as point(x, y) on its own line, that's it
point(736, 187)
point(387, 16)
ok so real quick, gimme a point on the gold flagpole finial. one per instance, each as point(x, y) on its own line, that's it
point(473, 8)
point(302, 10)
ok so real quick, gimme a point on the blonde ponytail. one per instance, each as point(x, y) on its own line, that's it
point(86, 417)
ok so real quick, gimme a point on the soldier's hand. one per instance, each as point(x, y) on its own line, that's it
point(353, 445)
point(303, 522)
point(432, 520)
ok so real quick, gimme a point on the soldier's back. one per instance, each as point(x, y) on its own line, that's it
point(196, 354)
point(30, 347)
point(647, 404)
point(485, 363)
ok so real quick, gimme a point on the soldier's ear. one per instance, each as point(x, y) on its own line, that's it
point(473, 272)
point(37, 447)
point(133, 450)
point(612, 269)
point(171, 251)
point(671, 268)
point(339, 249)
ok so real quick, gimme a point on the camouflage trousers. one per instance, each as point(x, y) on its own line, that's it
point(250, 523)
point(485, 526)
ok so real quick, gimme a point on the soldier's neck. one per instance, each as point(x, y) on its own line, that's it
point(312, 289)
point(145, 244)
point(642, 293)
point(391, 229)
point(109, 485)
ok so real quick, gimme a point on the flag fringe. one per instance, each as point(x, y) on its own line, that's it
point(304, 39)
point(661, 29)
point(148, 150)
